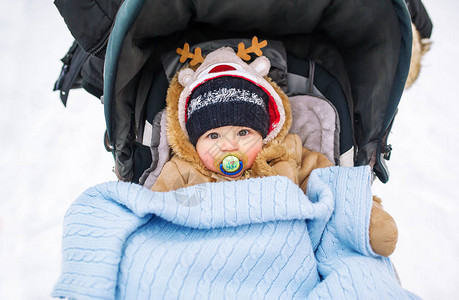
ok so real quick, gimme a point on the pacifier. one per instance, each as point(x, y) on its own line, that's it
point(231, 163)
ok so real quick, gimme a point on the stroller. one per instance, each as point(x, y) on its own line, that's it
point(343, 65)
point(128, 57)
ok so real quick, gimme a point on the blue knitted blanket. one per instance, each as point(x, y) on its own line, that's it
point(250, 239)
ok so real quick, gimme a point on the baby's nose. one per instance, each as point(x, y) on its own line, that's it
point(228, 144)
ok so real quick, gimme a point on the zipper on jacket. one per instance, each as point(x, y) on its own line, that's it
point(102, 46)
point(107, 36)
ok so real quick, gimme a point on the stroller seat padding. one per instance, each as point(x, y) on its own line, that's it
point(315, 121)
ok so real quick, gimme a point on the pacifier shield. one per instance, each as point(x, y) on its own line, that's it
point(231, 164)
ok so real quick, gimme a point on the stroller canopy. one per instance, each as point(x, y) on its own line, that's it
point(364, 44)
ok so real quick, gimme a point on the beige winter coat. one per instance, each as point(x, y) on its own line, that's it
point(296, 164)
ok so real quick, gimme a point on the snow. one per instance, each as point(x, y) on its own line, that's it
point(50, 154)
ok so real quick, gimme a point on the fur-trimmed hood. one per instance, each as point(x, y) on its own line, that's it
point(273, 149)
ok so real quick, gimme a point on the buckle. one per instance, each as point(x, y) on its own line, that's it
point(386, 151)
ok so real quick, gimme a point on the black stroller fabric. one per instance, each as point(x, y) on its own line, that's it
point(363, 45)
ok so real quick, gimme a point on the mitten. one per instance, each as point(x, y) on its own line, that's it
point(383, 230)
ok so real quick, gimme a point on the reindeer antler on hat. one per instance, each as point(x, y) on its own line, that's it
point(242, 51)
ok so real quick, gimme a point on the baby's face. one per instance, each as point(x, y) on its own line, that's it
point(216, 142)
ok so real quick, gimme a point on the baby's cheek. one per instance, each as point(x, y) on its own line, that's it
point(208, 161)
point(251, 155)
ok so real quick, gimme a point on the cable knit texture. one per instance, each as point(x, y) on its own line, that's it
point(244, 239)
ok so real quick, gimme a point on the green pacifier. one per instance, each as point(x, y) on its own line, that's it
point(231, 165)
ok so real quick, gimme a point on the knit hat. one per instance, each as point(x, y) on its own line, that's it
point(226, 101)
point(225, 91)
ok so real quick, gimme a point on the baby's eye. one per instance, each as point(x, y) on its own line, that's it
point(213, 135)
point(243, 132)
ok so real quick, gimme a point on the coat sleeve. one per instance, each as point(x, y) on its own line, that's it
point(310, 160)
point(300, 158)
point(169, 179)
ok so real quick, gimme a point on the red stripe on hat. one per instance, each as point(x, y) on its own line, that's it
point(222, 68)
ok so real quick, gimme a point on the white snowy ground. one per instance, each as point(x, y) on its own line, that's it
point(51, 154)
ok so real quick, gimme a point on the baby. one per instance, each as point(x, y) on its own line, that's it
point(228, 121)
